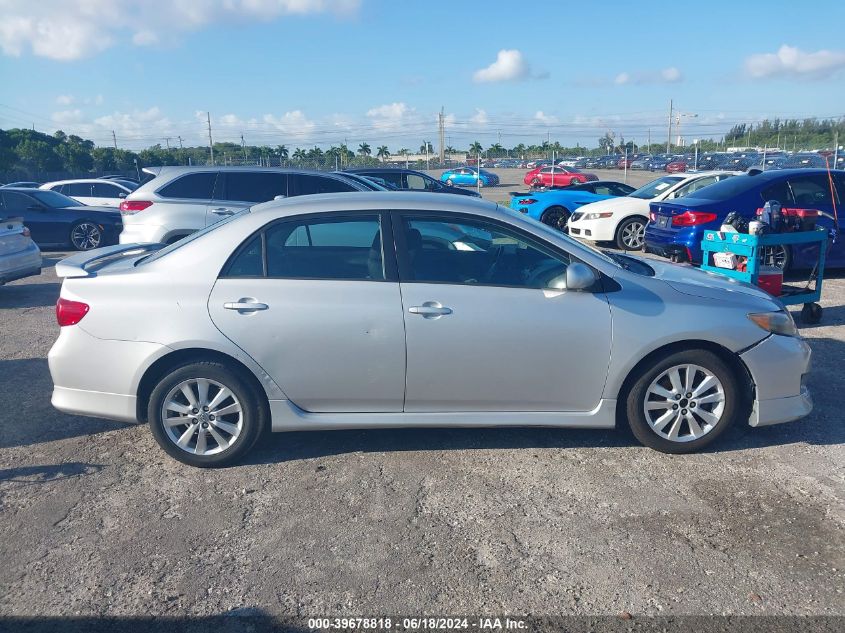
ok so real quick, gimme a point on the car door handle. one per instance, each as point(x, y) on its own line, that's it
point(244, 306)
point(222, 211)
point(430, 310)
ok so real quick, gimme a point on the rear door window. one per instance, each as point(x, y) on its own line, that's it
point(778, 191)
point(197, 186)
point(77, 189)
point(255, 186)
point(416, 182)
point(305, 184)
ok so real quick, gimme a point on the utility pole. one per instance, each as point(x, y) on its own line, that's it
point(210, 142)
point(442, 126)
point(167, 141)
point(669, 136)
point(180, 142)
point(114, 139)
point(648, 143)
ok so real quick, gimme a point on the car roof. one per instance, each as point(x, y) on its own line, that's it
point(70, 181)
point(377, 200)
point(380, 170)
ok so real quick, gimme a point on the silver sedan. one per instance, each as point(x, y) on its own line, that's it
point(377, 310)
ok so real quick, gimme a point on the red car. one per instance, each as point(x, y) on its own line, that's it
point(625, 163)
point(553, 176)
point(676, 166)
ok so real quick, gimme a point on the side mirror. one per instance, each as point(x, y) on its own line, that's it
point(579, 277)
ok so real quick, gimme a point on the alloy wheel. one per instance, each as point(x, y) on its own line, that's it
point(86, 236)
point(202, 416)
point(633, 235)
point(684, 403)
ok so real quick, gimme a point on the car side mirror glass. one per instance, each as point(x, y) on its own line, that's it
point(578, 277)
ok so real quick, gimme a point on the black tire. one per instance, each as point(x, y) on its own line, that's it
point(631, 230)
point(811, 313)
point(85, 236)
point(252, 419)
point(556, 217)
point(636, 399)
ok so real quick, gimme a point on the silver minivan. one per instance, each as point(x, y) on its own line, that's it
point(181, 200)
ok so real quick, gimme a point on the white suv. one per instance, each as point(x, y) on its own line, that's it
point(93, 191)
point(181, 200)
point(623, 220)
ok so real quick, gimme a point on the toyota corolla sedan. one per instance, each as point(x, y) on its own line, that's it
point(382, 309)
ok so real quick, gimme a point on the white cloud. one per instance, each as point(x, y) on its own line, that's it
point(65, 117)
point(510, 65)
point(790, 61)
point(545, 119)
point(392, 116)
point(294, 124)
point(669, 75)
point(63, 30)
point(64, 100)
point(480, 117)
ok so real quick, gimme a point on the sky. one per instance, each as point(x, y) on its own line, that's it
point(323, 72)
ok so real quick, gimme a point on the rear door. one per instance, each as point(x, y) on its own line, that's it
point(186, 200)
point(315, 301)
point(106, 194)
point(815, 191)
point(237, 190)
point(79, 191)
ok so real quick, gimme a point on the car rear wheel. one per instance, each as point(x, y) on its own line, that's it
point(630, 234)
point(683, 402)
point(450, 183)
point(556, 217)
point(204, 414)
point(85, 236)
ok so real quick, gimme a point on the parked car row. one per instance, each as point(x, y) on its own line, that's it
point(669, 215)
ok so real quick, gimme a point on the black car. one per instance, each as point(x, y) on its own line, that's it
point(410, 180)
point(56, 220)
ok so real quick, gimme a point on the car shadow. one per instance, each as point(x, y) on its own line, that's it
point(27, 416)
point(29, 295)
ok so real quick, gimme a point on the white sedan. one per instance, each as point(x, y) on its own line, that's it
point(623, 220)
point(92, 191)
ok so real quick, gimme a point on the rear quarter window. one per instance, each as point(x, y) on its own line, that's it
point(196, 186)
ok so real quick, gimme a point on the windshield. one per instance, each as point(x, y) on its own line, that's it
point(189, 238)
point(53, 199)
point(656, 187)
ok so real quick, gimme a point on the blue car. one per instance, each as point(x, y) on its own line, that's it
point(469, 176)
point(677, 227)
point(553, 207)
point(56, 220)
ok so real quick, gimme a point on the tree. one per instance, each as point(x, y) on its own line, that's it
point(383, 152)
point(606, 142)
point(476, 148)
point(299, 154)
point(426, 148)
point(496, 149)
point(364, 149)
point(450, 149)
point(282, 152)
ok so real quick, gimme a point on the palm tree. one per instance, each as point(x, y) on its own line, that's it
point(299, 154)
point(426, 148)
point(404, 151)
point(383, 153)
point(496, 149)
point(450, 149)
point(364, 149)
point(475, 148)
point(282, 151)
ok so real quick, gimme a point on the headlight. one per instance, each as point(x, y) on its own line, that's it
point(596, 216)
point(779, 322)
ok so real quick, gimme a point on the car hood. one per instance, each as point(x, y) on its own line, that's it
point(622, 205)
point(700, 283)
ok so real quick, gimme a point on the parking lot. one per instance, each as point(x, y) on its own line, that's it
point(97, 520)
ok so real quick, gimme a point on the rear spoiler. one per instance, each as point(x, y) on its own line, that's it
point(86, 264)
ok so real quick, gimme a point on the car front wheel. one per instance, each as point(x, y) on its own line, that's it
point(683, 402)
point(204, 414)
point(630, 235)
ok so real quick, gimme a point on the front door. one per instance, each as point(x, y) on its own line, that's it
point(316, 303)
point(485, 328)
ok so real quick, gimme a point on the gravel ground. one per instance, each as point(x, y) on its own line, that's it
point(97, 521)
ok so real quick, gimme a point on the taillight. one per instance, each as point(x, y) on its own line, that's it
point(130, 207)
point(70, 312)
point(25, 232)
point(527, 201)
point(693, 218)
point(652, 216)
